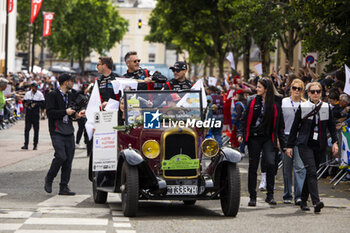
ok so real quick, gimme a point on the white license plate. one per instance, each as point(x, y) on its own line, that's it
point(182, 190)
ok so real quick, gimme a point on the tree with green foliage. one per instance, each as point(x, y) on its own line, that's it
point(327, 30)
point(190, 25)
point(78, 28)
point(87, 25)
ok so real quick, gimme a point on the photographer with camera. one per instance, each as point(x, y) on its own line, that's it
point(60, 116)
point(134, 71)
point(33, 101)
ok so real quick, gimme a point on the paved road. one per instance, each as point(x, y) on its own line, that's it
point(25, 207)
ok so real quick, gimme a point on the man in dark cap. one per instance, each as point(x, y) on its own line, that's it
point(33, 101)
point(62, 133)
point(179, 82)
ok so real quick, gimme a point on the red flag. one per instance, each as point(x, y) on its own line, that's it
point(48, 17)
point(36, 5)
point(10, 5)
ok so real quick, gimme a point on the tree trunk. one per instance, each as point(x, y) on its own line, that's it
point(265, 59)
point(221, 60)
point(246, 57)
point(205, 72)
point(195, 72)
point(290, 48)
point(211, 66)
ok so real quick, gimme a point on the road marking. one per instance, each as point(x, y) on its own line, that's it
point(117, 213)
point(3, 194)
point(60, 200)
point(125, 231)
point(4, 213)
point(74, 210)
point(113, 197)
point(122, 225)
point(120, 219)
point(67, 221)
point(243, 170)
point(58, 231)
point(9, 226)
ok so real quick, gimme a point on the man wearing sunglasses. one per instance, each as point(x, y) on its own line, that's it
point(134, 71)
point(179, 82)
point(309, 134)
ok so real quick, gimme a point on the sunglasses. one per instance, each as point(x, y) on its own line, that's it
point(137, 61)
point(177, 70)
point(296, 88)
point(315, 91)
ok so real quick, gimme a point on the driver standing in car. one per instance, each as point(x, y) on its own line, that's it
point(179, 82)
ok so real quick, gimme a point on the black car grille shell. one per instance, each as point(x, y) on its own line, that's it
point(180, 144)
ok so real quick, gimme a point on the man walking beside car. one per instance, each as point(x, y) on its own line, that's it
point(62, 133)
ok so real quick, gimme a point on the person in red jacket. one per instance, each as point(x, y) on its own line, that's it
point(262, 123)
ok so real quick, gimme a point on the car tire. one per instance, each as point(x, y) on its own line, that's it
point(130, 190)
point(189, 202)
point(230, 194)
point(100, 197)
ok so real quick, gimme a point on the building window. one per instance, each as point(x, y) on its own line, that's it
point(152, 54)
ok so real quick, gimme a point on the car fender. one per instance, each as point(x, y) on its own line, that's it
point(231, 155)
point(131, 156)
point(227, 155)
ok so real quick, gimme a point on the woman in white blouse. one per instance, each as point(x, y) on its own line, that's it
point(289, 108)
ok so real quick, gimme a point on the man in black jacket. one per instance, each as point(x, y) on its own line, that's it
point(134, 71)
point(62, 133)
point(105, 67)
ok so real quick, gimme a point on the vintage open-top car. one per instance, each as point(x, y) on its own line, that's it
point(163, 154)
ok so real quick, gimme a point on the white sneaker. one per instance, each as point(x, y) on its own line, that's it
point(262, 186)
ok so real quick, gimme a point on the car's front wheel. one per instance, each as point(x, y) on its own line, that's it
point(230, 194)
point(129, 190)
point(100, 197)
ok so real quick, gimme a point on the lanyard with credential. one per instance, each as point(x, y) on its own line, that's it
point(293, 104)
point(65, 97)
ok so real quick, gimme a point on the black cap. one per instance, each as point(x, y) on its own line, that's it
point(34, 84)
point(64, 77)
point(179, 65)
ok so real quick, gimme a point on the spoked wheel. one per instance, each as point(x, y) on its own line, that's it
point(130, 190)
point(100, 197)
point(231, 190)
point(189, 202)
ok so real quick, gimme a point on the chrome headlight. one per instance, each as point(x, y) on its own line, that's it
point(151, 149)
point(210, 147)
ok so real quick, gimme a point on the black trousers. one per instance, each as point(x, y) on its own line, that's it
point(311, 157)
point(64, 153)
point(256, 144)
point(29, 121)
point(81, 130)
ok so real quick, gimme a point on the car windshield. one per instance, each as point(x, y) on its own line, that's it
point(162, 106)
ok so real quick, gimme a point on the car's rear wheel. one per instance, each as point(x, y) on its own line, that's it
point(230, 194)
point(189, 202)
point(100, 197)
point(130, 190)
